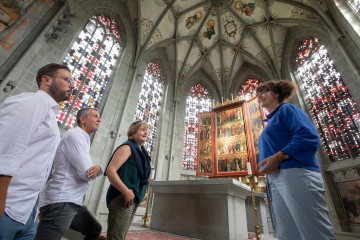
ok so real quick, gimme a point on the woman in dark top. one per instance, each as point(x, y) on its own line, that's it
point(128, 172)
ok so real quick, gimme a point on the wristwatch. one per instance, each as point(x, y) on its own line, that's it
point(285, 156)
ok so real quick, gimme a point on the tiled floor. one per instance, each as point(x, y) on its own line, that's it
point(137, 232)
point(153, 235)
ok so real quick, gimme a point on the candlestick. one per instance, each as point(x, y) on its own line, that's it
point(253, 184)
point(146, 216)
point(248, 165)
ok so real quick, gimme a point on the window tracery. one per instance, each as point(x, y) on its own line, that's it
point(331, 104)
point(198, 100)
point(355, 5)
point(91, 59)
point(247, 89)
point(149, 104)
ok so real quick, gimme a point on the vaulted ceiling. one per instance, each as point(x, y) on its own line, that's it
point(220, 36)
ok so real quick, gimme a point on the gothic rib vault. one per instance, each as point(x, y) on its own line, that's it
point(219, 37)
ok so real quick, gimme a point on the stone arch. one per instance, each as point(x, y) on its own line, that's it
point(201, 77)
point(247, 71)
point(345, 66)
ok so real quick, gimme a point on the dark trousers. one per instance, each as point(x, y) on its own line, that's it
point(56, 219)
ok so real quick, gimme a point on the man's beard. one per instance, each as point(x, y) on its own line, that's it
point(58, 95)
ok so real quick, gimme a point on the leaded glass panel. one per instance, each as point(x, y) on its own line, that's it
point(198, 100)
point(149, 103)
point(355, 5)
point(331, 104)
point(248, 88)
point(91, 59)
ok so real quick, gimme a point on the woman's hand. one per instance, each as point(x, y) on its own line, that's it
point(271, 163)
point(129, 197)
point(145, 197)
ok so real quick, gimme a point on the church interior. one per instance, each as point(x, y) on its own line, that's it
point(171, 62)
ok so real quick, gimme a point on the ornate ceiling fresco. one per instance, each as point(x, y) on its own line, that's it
point(219, 36)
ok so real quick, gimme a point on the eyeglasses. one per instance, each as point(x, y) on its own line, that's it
point(68, 80)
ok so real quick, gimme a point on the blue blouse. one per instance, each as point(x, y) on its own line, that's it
point(290, 130)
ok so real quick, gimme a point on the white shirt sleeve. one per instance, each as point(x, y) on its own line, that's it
point(76, 150)
point(20, 116)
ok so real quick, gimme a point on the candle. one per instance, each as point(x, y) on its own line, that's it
point(222, 100)
point(248, 165)
point(232, 97)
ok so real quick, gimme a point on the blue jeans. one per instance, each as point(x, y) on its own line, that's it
point(15, 230)
point(56, 219)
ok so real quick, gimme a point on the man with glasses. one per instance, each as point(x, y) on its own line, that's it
point(29, 139)
point(61, 204)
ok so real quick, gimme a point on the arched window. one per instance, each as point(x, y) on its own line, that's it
point(198, 100)
point(149, 103)
point(91, 59)
point(355, 5)
point(247, 89)
point(332, 107)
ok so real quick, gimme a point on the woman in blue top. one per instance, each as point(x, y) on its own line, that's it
point(128, 172)
point(288, 146)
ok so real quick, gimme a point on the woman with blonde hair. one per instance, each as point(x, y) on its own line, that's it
point(128, 172)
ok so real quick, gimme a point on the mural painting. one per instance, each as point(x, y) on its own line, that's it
point(349, 192)
point(17, 20)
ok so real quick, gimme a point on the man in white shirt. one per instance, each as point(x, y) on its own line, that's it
point(61, 204)
point(29, 139)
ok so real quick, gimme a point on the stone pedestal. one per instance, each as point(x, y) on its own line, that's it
point(206, 209)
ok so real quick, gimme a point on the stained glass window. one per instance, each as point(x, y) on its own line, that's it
point(198, 100)
point(91, 59)
point(149, 103)
point(332, 107)
point(355, 5)
point(247, 89)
